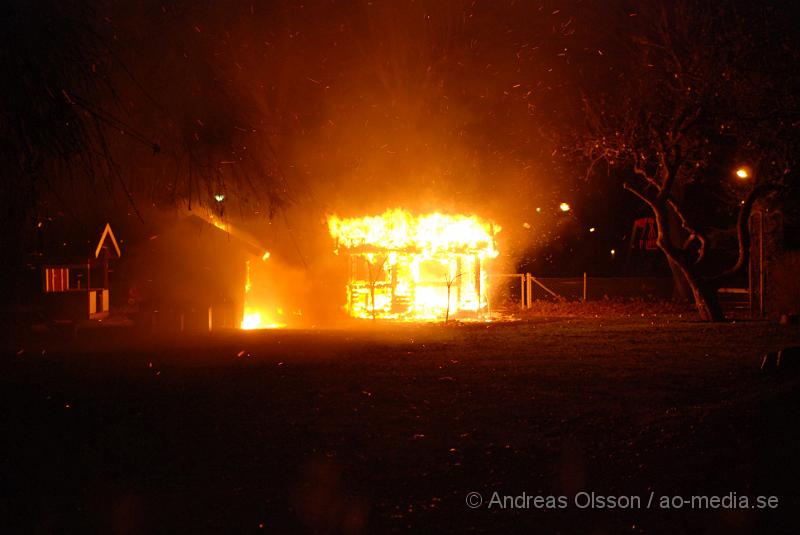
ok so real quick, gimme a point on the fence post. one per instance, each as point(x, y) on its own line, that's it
point(584, 286)
point(529, 289)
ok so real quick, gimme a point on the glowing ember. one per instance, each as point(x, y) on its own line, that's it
point(415, 267)
point(256, 317)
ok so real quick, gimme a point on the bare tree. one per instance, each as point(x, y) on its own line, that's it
point(201, 92)
point(54, 64)
point(691, 102)
point(89, 98)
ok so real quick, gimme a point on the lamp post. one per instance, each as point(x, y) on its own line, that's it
point(745, 173)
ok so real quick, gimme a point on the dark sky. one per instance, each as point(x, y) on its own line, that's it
point(354, 107)
point(361, 106)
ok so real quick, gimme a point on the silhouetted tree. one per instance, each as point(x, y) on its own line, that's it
point(694, 95)
point(88, 96)
point(54, 65)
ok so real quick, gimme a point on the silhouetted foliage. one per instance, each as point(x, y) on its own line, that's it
point(120, 98)
point(701, 91)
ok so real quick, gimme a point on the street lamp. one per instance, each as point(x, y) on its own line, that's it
point(743, 173)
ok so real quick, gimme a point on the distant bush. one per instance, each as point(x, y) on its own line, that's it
point(784, 288)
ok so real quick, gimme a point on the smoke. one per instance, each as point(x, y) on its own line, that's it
point(353, 107)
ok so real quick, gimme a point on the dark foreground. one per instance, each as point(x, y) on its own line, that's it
point(375, 431)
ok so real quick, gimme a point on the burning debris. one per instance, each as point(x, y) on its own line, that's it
point(410, 267)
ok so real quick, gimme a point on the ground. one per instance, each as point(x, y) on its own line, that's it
point(378, 429)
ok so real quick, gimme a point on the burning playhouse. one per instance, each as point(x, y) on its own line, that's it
point(410, 267)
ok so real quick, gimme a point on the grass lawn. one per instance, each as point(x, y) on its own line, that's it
point(387, 429)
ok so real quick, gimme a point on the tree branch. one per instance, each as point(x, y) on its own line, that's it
point(693, 233)
point(640, 170)
point(639, 194)
point(743, 228)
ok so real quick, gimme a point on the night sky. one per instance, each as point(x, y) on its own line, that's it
point(309, 108)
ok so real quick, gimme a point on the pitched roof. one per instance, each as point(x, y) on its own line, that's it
point(107, 234)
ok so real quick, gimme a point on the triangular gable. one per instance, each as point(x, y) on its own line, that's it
point(107, 233)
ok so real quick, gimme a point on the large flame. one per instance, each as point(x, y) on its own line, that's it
point(254, 316)
point(415, 267)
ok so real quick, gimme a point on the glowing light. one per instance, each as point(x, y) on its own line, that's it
point(218, 223)
point(397, 230)
point(591, 229)
point(257, 317)
point(415, 267)
point(247, 285)
point(538, 209)
point(219, 197)
point(564, 207)
point(613, 252)
point(251, 320)
point(742, 173)
point(265, 256)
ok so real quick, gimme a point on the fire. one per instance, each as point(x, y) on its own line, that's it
point(255, 317)
point(214, 220)
point(415, 267)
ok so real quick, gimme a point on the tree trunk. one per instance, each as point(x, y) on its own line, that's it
point(704, 292)
point(681, 291)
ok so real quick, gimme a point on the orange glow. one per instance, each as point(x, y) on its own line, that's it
point(214, 220)
point(415, 267)
point(564, 207)
point(255, 317)
point(742, 173)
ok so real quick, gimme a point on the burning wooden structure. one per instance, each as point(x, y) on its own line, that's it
point(408, 267)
